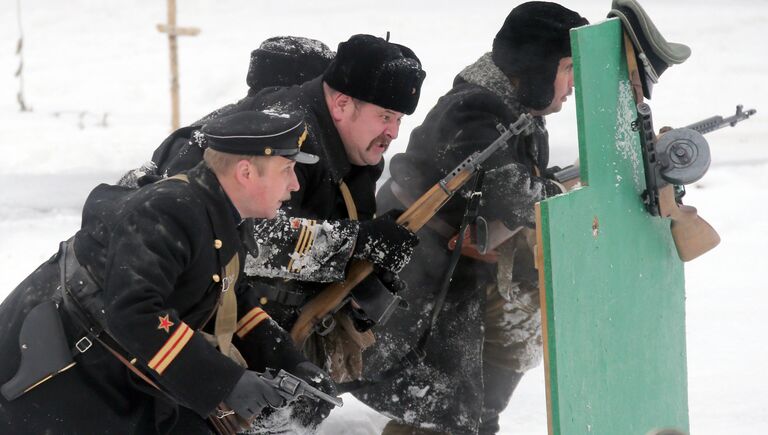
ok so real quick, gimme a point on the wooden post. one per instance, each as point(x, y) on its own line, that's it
point(20, 71)
point(173, 31)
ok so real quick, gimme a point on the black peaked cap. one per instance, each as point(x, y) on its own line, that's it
point(371, 69)
point(259, 134)
point(529, 46)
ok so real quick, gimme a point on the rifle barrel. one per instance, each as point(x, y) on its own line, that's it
point(707, 125)
point(566, 174)
point(717, 122)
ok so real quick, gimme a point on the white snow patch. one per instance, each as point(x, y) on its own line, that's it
point(625, 116)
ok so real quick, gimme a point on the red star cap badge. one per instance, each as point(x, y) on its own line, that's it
point(165, 323)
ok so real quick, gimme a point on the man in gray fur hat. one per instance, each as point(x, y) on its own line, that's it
point(488, 332)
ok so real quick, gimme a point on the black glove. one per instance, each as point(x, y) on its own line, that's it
point(310, 412)
point(385, 243)
point(391, 280)
point(375, 299)
point(251, 394)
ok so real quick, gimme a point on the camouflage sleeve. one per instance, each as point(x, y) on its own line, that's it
point(298, 248)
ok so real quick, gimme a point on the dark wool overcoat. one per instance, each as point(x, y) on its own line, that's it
point(445, 391)
point(153, 253)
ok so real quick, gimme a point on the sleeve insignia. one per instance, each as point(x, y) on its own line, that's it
point(165, 323)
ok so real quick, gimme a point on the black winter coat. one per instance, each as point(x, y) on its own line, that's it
point(445, 392)
point(152, 253)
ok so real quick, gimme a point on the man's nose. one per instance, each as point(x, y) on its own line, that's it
point(392, 130)
point(293, 186)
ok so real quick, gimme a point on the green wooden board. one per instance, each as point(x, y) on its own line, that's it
point(613, 292)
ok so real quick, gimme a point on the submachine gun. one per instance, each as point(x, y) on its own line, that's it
point(671, 160)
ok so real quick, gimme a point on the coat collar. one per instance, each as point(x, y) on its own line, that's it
point(223, 215)
point(329, 145)
point(486, 74)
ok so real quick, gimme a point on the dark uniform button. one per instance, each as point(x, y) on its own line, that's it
point(216, 277)
point(263, 300)
point(217, 244)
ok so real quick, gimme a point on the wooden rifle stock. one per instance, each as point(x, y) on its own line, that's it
point(415, 217)
point(692, 235)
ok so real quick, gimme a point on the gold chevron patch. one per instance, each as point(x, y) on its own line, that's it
point(251, 320)
point(306, 239)
point(171, 349)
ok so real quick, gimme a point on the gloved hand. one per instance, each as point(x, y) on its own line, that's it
point(385, 243)
point(375, 298)
point(391, 280)
point(251, 394)
point(310, 412)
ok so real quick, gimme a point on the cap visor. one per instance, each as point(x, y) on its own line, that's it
point(305, 158)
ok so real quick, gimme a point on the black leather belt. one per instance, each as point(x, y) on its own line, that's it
point(269, 293)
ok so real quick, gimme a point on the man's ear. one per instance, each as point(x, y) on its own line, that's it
point(340, 103)
point(243, 171)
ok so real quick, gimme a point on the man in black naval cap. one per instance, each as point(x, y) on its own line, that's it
point(488, 332)
point(353, 111)
point(147, 298)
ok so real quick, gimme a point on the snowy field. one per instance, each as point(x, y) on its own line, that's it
point(96, 77)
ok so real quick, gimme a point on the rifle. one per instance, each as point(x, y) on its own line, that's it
point(290, 387)
point(417, 215)
point(485, 237)
point(675, 158)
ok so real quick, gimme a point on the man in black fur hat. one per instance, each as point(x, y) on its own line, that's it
point(488, 332)
point(353, 112)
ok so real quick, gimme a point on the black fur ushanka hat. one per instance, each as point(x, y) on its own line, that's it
point(377, 71)
point(286, 61)
point(529, 46)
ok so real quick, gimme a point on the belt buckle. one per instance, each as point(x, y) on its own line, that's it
point(222, 413)
point(83, 344)
point(325, 326)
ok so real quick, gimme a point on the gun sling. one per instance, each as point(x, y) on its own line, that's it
point(417, 354)
point(487, 235)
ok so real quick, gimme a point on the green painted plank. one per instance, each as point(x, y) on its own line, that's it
point(614, 293)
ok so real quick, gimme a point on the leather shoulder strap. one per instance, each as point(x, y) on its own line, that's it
point(348, 201)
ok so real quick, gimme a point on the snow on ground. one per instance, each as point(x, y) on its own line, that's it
point(96, 77)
